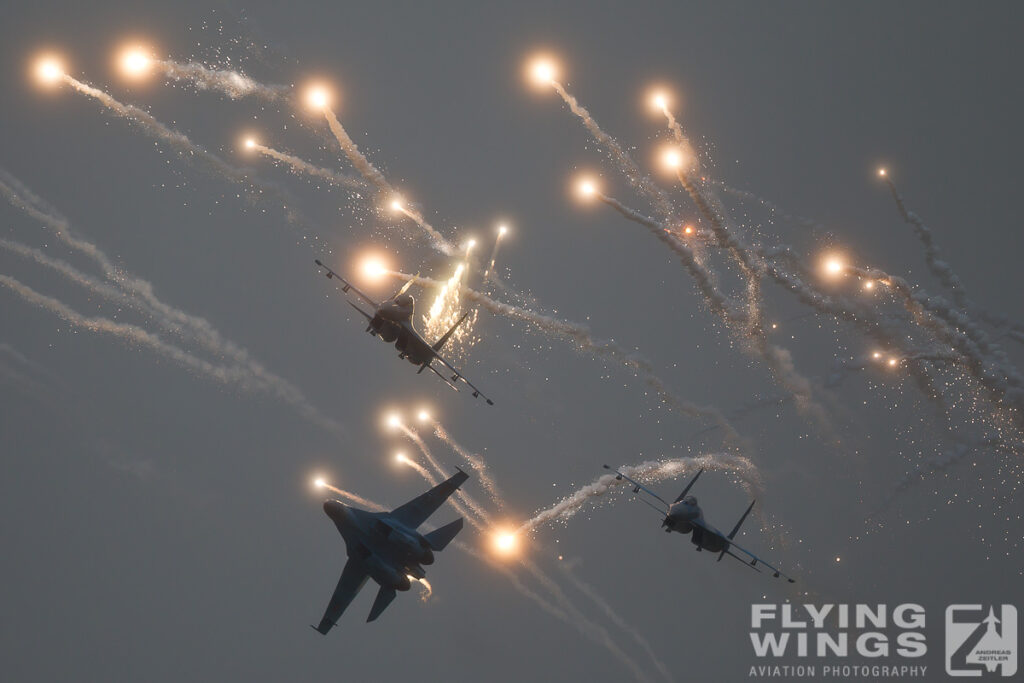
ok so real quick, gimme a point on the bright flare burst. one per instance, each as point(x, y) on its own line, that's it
point(319, 482)
point(317, 97)
point(423, 416)
point(673, 158)
point(135, 61)
point(659, 100)
point(374, 269)
point(49, 70)
point(393, 421)
point(586, 188)
point(834, 265)
point(506, 542)
point(543, 71)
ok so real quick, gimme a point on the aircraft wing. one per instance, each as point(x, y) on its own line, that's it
point(638, 487)
point(458, 375)
point(417, 510)
point(346, 285)
point(754, 561)
point(353, 576)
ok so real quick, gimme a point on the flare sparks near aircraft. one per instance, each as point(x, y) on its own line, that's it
point(392, 321)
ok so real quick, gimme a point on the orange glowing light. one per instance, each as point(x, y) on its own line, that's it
point(319, 482)
point(506, 542)
point(543, 70)
point(318, 97)
point(49, 70)
point(135, 61)
point(423, 416)
point(393, 421)
point(374, 269)
point(587, 188)
point(834, 266)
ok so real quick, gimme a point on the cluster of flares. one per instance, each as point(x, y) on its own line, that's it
point(944, 347)
point(503, 545)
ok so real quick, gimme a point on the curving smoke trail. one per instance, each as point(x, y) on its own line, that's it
point(138, 293)
point(148, 124)
point(715, 300)
point(778, 360)
point(944, 273)
point(939, 268)
point(651, 470)
point(134, 334)
point(583, 340)
point(231, 83)
point(614, 617)
point(468, 500)
point(373, 175)
point(419, 469)
point(630, 170)
point(302, 166)
point(475, 461)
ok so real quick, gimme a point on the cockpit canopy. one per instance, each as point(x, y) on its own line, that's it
point(690, 500)
point(405, 300)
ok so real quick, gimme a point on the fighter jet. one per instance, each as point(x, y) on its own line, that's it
point(386, 547)
point(392, 322)
point(685, 516)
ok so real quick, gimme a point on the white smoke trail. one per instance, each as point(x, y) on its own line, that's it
point(939, 268)
point(478, 511)
point(715, 300)
point(355, 498)
point(419, 469)
point(614, 617)
point(302, 166)
point(494, 255)
point(147, 123)
point(651, 470)
point(373, 175)
point(231, 83)
point(475, 461)
point(778, 360)
point(237, 376)
point(621, 157)
point(138, 293)
point(583, 340)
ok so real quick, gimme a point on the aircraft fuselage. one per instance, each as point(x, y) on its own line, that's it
point(390, 551)
point(680, 518)
point(392, 322)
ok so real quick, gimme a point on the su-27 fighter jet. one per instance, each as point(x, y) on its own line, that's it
point(386, 547)
point(392, 322)
point(685, 516)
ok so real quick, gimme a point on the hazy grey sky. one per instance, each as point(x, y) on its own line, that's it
point(160, 525)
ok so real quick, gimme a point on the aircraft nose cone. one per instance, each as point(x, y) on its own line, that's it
point(333, 509)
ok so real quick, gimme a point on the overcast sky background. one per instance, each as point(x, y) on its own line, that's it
point(159, 525)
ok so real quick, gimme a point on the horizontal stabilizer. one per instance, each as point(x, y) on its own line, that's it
point(439, 538)
point(384, 597)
